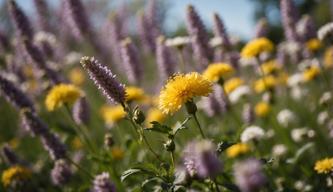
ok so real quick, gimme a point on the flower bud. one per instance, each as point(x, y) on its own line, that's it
point(138, 116)
point(169, 145)
point(191, 108)
point(108, 140)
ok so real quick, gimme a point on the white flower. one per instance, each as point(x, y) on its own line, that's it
point(251, 133)
point(244, 62)
point(325, 98)
point(322, 117)
point(238, 93)
point(279, 150)
point(299, 134)
point(270, 134)
point(302, 186)
point(72, 58)
point(295, 79)
point(297, 93)
point(178, 41)
point(43, 36)
point(215, 41)
point(285, 117)
point(324, 31)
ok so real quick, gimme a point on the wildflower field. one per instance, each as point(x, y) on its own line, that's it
point(102, 108)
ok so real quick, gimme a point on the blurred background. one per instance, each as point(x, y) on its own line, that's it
point(240, 16)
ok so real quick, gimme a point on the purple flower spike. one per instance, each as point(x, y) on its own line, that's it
point(104, 79)
point(262, 28)
point(165, 61)
point(42, 14)
point(306, 28)
point(61, 173)
point(33, 124)
point(81, 111)
point(102, 183)
point(289, 16)
point(220, 31)
point(10, 156)
point(52, 143)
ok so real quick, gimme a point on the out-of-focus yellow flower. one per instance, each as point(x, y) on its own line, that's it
point(155, 114)
point(311, 73)
point(182, 88)
point(265, 83)
point(216, 71)
point(117, 153)
point(328, 57)
point(112, 114)
point(13, 143)
point(76, 143)
point(28, 71)
point(262, 109)
point(232, 84)
point(313, 44)
point(324, 166)
point(15, 174)
point(257, 46)
point(61, 94)
point(238, 149)
point(76, 76)
point(134, 94)
point(270, 67)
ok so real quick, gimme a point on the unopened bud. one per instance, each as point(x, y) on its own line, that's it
point(138, 116)
point(170, 145)
point(108, 140)
point(191, 107)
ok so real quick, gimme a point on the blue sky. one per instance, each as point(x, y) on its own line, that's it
point(237, 14)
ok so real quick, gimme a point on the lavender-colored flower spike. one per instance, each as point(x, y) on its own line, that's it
point(81, 111)
point(102, 183)
point(212, 106)
point(201, 159)
point(20, 20)
point(10, 157)
point(33, 124)
point(131, 61)
point(61, 173)
point(249, 175)
point(14, 95)
point(104, 80)
point(165, 61)
point(220, 31)
point(52, 143)
point(289, 16)
point(42, 14)
point(261, 28)
point(248, 114)
point(306, 28)
point(116, 34)
point(4, 42)
point(195, 27)
point(146, 33)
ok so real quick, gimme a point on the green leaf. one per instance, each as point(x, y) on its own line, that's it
point(157, 127)
point(147, 169)
point(300, 152)
point(129, 172)
point(180, 126)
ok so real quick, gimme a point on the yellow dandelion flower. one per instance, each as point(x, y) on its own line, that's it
point(232, 84)
point(112, 114)
point(61, 94)
point(313, 44)
point(15, 174)
point(76, 76)
point(155, 114)
point(324, 166)
point(117, 153)
point(311, 73)
point(237, 149)
point(262, 109)
point(182, 88)
point(265, 83)
point(216, 71)
point(134, 94)
point(328, 57)
point(270, 67)
point(257, 46)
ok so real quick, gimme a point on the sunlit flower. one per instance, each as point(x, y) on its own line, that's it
point(285, 117)
point(265, 83)
point(270, 67)
point(76, 76)
point(279, 150)
point(237, 149)
point(311, 73)
point(313, 44)
point(324, 166)
point(239, 93)
point(252, 133)
point(232, 84)
point(112, 114)
point(216, 71)
point(62, 94)
point(257, 46)
point(262, 109)
point(154, 114)
point(299, 134)
point(15, 175)
point(182, 88)
point(134, 94)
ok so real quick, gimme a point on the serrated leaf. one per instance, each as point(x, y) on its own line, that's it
point(129, 172)
point(157, 127)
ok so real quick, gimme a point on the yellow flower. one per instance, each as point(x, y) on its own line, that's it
point(112, 114)
point(262, 109)
point(313, 44)
point(324, 165)
point(257, 46)
point(61, 94)
point(182, 88)
point(154, 114)
point(134, 94)
point(311, 73)
point(270, 67)
point(13, 143)
point(328, 57)
point(76, 76)
point(232, 84)
point(117, 153)
point(265, 83)
point(216, 71)
point(76, 143)
point(237, 149)
point(15, 174)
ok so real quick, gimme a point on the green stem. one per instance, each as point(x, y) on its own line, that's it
point(198, 125)
point(172, 159)
point(216, 185)
point(80, 168)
